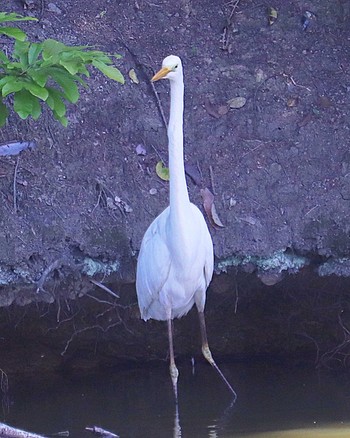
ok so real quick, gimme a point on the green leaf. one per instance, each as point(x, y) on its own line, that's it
point(52, 49)
point(36, 109)
point(39, 75)
point(14, 66)
point(63, 120)
point(4, 80)
point(162, 172)
point(83, 71)
point(72, 67)
point(25, 104)
point(110, 72)
point(33, 52)
point(3, 57)
point(6, 16)
point(66, 82)
point(36, 90)
point(97, 55)
point(13, 32)
point(55, 102)
point(13, 85)
point(20, 52)
point(3, 113)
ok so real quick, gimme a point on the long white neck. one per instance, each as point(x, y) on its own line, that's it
point(179, 199)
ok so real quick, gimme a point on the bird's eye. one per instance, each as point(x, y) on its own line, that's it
point(175, 67)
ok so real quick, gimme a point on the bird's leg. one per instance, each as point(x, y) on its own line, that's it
point(207, 353)
point(174, 373)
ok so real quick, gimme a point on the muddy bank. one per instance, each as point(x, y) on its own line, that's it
point(304, 316)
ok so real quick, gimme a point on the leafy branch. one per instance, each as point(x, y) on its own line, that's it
point(49, 72)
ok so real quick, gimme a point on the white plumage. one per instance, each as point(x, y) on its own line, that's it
point(174, 275)
point(175, 264)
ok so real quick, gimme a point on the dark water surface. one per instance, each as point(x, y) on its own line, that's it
point(139, 402)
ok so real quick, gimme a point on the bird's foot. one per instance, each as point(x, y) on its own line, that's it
point(207, 354)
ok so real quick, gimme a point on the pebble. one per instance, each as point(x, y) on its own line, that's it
point(51, 7)
point(237, 102)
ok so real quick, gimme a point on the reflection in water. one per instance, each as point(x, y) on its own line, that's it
point(139, 403)
point(336, 431)
point(177, 427)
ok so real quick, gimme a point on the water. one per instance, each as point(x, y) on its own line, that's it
point(139, 402)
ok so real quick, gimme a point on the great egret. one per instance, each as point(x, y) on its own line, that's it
point(176, 259)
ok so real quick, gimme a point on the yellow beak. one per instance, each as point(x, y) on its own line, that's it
point(161, 74)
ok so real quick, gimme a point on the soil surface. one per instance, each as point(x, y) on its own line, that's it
point(279, 166)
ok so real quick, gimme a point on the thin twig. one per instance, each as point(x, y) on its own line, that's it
point(105, 288)
point(98, 199)
point(160, 107)
point(14, 187)
point(159, 155)
point(311, 209)
point(212, 180)
point(42, 7)
point(234, 7)
point(225, 37)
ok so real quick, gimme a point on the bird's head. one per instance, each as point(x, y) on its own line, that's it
point(171, 69)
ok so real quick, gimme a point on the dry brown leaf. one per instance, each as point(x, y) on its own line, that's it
point(305, 120)
point(223, 109)
point(324, 102)
point(292, 102)
point(209, 207)
point(211, 109)
point(133, 76)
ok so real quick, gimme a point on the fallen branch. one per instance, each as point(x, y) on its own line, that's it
point(101, 432)
point(11, 432)
point(105, 288)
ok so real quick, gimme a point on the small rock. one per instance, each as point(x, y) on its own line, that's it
point(275, 168)
point(260, 76)
point(140, 149)
point(153, 192)
point(110, 203)
point(294, 151)
point(51, 7)
point(232, 202)
point(237, 102)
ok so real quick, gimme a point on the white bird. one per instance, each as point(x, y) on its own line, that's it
point(176, 259)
